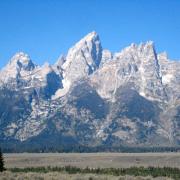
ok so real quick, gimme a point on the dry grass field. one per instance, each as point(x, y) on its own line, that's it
point(102, 160)
point(64, 176)
point(82, 160)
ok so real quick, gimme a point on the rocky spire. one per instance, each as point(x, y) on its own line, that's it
point(83, 58)
point(22, 61)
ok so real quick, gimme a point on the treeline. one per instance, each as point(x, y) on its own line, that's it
point(133, 171)
point(86, 149)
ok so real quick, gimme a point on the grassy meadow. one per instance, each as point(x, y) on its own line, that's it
point(92, 166)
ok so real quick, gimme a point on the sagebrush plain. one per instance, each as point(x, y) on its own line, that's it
point(102, 160)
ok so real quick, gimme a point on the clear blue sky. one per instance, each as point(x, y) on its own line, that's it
point(46, 28)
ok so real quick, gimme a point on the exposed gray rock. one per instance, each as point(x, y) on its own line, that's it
point(92, 97)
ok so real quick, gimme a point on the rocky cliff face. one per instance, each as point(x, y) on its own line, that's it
point(92, 97)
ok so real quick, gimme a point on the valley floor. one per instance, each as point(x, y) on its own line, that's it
point(64, 176)
point(30, 166)
point(95, 160)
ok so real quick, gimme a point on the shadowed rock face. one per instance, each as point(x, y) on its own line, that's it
point(92, 97)
point(136, 106)
point(86, 97)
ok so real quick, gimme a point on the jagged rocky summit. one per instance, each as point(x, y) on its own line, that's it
point(92, 97)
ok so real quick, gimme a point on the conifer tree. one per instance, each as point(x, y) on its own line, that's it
point(1, 161)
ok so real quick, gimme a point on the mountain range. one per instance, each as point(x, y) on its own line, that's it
point(92, 97)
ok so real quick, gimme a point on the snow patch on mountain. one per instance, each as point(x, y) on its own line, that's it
point(63, 91)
